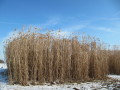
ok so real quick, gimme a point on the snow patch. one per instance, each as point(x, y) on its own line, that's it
point(117, 77)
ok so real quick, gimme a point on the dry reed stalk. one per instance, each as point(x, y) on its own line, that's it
point(37, 58)
point(98, 61)
point(114, 60)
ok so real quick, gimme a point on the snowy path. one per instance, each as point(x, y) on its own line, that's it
point(99, 85)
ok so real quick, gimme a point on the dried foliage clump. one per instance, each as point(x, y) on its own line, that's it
point(114, 60)
point(98, 66)
point(34, 58)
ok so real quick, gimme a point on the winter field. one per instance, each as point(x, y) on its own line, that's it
point(113, 83)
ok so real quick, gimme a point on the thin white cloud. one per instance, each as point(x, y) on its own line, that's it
point(7, 23)
point(105, 29)
point(117, 13)
point(67, 31)
point(51, 22)
point(111, 19)
point(108, 19)
point(61, 33)
point(74, 28)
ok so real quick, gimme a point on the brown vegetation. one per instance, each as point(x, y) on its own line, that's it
point(37, 58)
point(114, 61)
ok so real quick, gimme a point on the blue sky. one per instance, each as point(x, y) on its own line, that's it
point(99, 18)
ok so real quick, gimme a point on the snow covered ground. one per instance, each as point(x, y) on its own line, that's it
point(117, 77)
point(96, 85)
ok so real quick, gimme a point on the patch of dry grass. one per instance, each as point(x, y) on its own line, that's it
point(114, 60)
point(36, 58)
